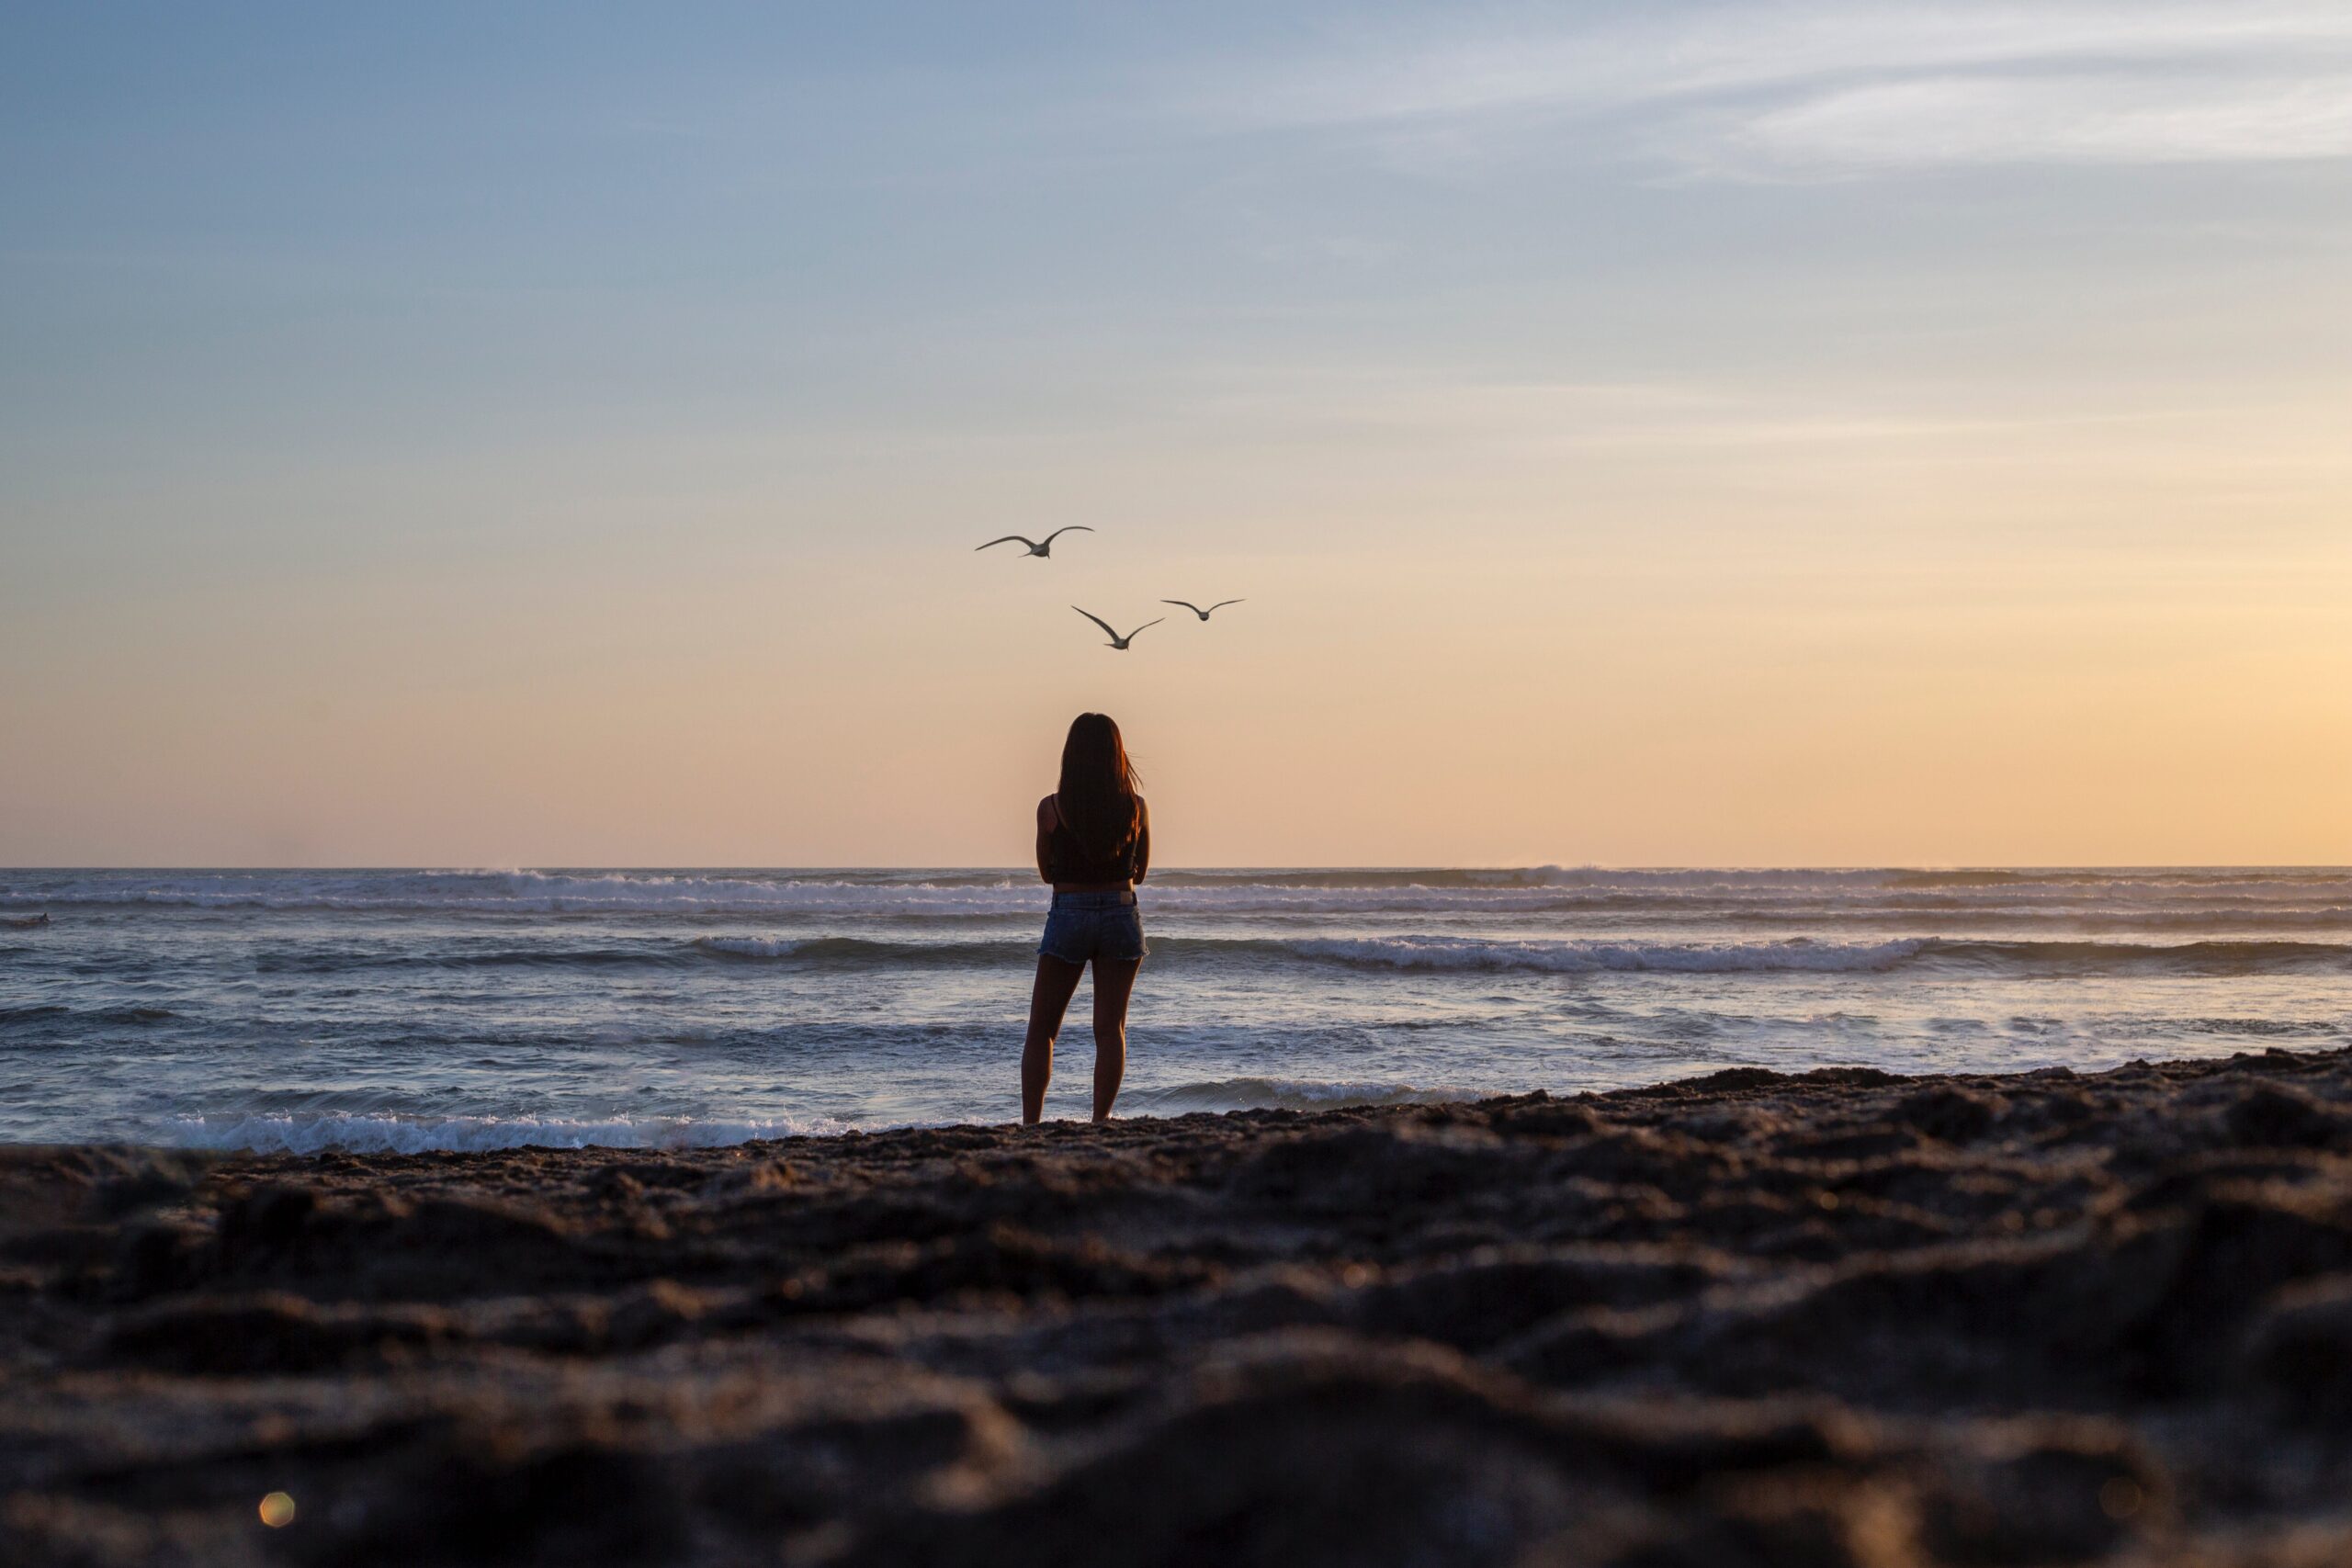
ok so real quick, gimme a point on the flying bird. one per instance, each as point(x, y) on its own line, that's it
point(1036, 547)
point(1116, 640)
point(1197, 610)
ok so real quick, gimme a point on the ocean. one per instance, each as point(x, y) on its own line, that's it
point(461, 1009)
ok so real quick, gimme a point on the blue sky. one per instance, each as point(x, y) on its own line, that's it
point(508, 328)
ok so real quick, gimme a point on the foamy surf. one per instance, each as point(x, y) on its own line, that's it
point(1279, 1094)
point(353, 1134)
point(303, 1010)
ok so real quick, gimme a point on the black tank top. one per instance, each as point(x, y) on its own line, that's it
point(1070, 860)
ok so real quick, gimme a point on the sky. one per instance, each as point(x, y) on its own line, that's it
point(1782, 433)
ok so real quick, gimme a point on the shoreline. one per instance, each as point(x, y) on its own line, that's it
point(1837, 1316)
point(1310, 1092)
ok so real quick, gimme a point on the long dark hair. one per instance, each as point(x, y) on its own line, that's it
point(1101, 799)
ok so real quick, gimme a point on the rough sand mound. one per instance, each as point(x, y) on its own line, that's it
point(1756, 1320)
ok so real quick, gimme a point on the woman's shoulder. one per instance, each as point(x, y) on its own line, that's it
point(1047, 813)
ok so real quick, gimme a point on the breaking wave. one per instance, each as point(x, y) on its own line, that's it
point(1428, 954)
point(951, 894)
point(316, 1133)
point(861, 949)
point(1480, 955)
point(1803, 955)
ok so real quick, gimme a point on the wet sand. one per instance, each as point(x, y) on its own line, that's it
point(1839, 1318)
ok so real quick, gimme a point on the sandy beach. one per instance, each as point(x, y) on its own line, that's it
point(1275, 786)
point(1839, 1317)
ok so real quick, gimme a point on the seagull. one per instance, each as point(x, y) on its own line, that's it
point(1197, 610)
point(1037, 549)
point(1116, 640)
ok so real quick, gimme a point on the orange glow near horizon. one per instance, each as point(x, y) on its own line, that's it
point(1839, 661)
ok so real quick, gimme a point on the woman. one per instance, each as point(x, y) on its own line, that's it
point(1093, 845)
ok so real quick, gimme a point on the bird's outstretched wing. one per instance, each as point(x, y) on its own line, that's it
point(1073, 529)
point(1131, 635)
point(1223, 602)
point(1189, 605)
point(1100, 622)
point(1008, 539)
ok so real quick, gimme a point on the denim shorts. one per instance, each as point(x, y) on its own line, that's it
point(1093, 925)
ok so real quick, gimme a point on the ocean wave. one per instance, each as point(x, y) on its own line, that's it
point(753, 946)
point(1800, 955)
point(1279, 1094)
point(1473, 953)
point(1431, 952)
point(1482, 954)
point(554, 955)
point(531, 892)
point(2241, 957)
point(315, 1132)
point(950, 894)
point(861, 949)
point(1399, 953)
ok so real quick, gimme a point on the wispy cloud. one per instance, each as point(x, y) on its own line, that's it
point(1395, 405)
point(1824, 85)
point(2069, 119)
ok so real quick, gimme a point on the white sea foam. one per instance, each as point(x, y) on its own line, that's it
point(314, 1132)
point(318, 1132)
point(1280, 1094)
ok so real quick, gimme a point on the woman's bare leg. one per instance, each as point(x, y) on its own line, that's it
point(1056, 981)
point(1114, 982)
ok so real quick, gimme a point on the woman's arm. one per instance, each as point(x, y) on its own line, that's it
point(1047, 818)
point(1143, 841)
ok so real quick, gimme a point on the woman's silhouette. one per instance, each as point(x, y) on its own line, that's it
point(1093, 845)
